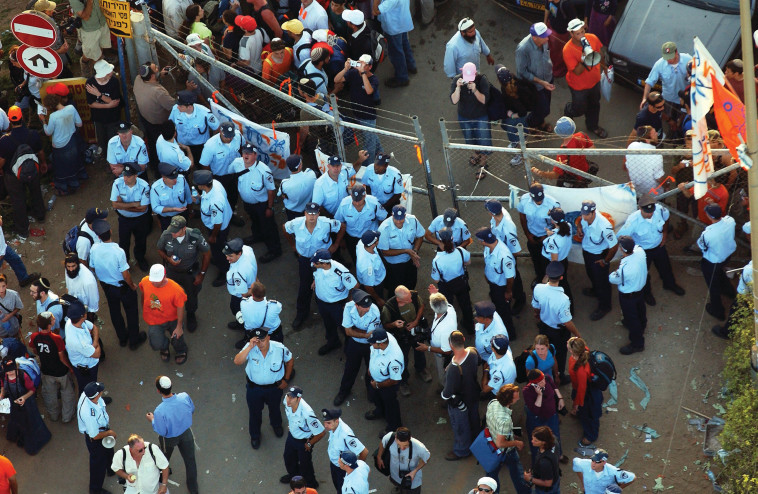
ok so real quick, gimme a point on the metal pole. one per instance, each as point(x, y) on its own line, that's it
point(122, 68)
point(522, 145)
point(131, 56)
point(751, 116)
point(446, 154)
point(149, 29)
point(427, 167)
point(337, 126)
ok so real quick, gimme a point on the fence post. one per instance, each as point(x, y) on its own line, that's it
point(424, 158)
point(149, 30)
point(122, 68)
point(446, 154)
point(522, 145)
point(338, 128)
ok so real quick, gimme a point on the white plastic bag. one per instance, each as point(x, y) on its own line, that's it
point(606, 83)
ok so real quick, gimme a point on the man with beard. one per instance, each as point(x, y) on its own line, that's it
point(465, 46)
point(46, 300)
point(81, 283)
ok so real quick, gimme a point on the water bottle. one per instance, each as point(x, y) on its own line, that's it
point(51, 202)
point(175, 258)
point(194, 192)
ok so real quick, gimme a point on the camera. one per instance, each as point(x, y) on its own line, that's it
point(421, 334)
point(353, 63)
point(70, 25)
point(406, 481)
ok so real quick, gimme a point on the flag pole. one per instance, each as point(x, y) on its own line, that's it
point(751, 115)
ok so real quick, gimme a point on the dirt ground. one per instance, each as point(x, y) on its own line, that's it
point(680, 366)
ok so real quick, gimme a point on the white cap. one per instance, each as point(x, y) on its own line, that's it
point(102, 68)
point(575, 25)
point(194, 39)
point(320, 35)
point(353, 16)
point(488, 481)
point(366, 59)
point(164, 382)
point(157, 273)
point(465, 23)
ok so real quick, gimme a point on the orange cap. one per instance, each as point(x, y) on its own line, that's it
point(15, 114)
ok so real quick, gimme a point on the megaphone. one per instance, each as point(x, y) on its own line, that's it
point(109, 441)
point(590, 58)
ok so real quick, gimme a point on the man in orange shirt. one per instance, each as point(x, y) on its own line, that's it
point(584, 80)
point(8, 484)
point(163, 310)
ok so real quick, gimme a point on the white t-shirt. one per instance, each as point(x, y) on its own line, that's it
point(314, 17)
point(443, 327)
point(148, 473)
point(645, 171)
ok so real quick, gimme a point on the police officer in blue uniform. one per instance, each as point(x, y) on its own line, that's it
point(384, 182)
point(355, 471)
point(359, 212)
point(220, 153)
point(717, 243)
point(243, 272)
point(400, 241)
point(743, 288)
point(488, 325)
point(630, 278)
point(170, 151)
point(369, 267)
point(449, 270)
point(385, 369)
point(170, 195)
point(125, 147)
point(268, 369)
point(648, 227)
point(557, 245)
point(256, 188)
point(331, 187)
point(552, 308)
point(194, 123)
point(599, 245)
point(332, 282)
point(499, 369)
point(500, 272)
point(451, 220)
point(505, 230)
point(94, 423)
point(305, 430)
point(359, 318)
point(306, 235)
point(534, 208)
point(258, 312)
point(297, 190)
point(216, 214)
point(130, 197)
point(341, 440)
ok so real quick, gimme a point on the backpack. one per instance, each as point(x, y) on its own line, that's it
point(520, 362)
point(69, 241)
point(602, 370)
point(126, 448)
point(32, 369)
point(24, 163)
point(379, 47)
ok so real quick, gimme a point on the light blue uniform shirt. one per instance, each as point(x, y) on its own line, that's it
point(333, 284)
point(745, 278)
point(269, 369)
point(177, 196)
point(215, 208)
point(140, 192)
point(499, 264)
point(506, 232)
point(746, 228)
point(171, 153)
point(341, 440)
point(174, 415)
point(56, 310)
point(556, 244)
point(647, 233)
point(537, 216)
point(458, 52)
point(459, 229)
point(357, 222)
point(502, 371)
point(395, 16)
point(297, 190)
point(356, 482)
point(135, 152)
point(446, 266)
point(596, 483)
point(483, 336)
point(328, 193)
point(91, 417)
point(261, 314)
point(254, 183)
point(717, 240)
point(194, 128)
point(302, 422)
point(553, 304)
point(388, 363)
point(79, 345)
point(108, 261)
point(218, 156)
point(384, 186)
point(369, 268)
point(598, 236)
point(243, 273)
point(632, 272)
point(368, 323)
point(403, 238)
point(674, 78)
point(307, 243)
point(62, 124)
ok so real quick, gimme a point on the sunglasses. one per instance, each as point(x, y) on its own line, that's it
point(595, 461)
point(483, 489)
point(142, 450)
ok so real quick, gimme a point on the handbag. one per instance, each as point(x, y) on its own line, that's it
point(18, 316)
point(385, 457)
point(486, 452)
point(606, 83)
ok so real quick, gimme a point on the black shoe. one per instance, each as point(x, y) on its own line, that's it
point(255, 443)
point(297, 324)
point(252, 240)
point(598, 314)
point(235, 325)
point(219, 281)
point(328, 347)
point(123, 343)
point(143, 265)
point(720, 316)
point(649, 299)
point(268, 257)
point(395, 82)
point(141, 338)
point(107, 400)
point(588, 292)
point(414, 70)
point(237, 220)
point(241, 343)
point(517, 306)
point(629, 349)
point(623, 323)
point(676, 289)
point(278, 431)
point(719, 331)
point(372, 415)
point(285, 479)
point(191, 322)
point(339, 399)
point(28, 280)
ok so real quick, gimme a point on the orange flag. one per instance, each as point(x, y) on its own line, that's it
point(730, 117)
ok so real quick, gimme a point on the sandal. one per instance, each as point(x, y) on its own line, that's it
point(474, 160)
point(481, 174)
point(165, 354)
point(600, 132)
point(180, 358)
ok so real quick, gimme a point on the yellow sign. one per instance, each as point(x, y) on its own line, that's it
point(78, 96)
point(117, 14)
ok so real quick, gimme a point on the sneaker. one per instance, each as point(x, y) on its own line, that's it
point(405, 390)
point(719, 331)
point(517, 160)
point(395, 82)
point(29, 278)
point(629, 349)
point(425, 376)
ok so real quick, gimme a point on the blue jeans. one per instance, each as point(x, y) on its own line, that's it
point(67, 166)
point(463, 432)
point(401, 55)
point(589, 414)
point(509, 125)
point(370, 140)
point(515, 470)
point(533, 421)
point(476, 131)
point(15, 262)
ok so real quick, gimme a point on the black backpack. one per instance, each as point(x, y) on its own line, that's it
point(24, 163)
point(69, 241)
point(602, 370)
point(379, 47)
point(520, 362)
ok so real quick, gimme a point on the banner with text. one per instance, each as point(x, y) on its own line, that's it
point(117, 15)
point(78, 96)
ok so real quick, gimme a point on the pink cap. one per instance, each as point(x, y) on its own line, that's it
point(469, 72)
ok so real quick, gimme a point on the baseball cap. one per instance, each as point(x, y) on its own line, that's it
point(227, 130)
point(557, 215)
point(76, 311)
point(713, 210)
point(194, 39)
point(465, 23)
point(445, 234)
point(493, 206)
point(488, 481)
point(540, 30)
point(367, 59)
point(95, 214)
point(668, 50)
point(484, 309)
point(485, 235)
point(626, 243)
point(536, 192)
point(202, 177)
point(157, 273)
point(293, 161)
point(233, 246)
point(354, 16)
point(93, 388)
point(295, 392)
point(575, 25)
point(469, 72)
point(293, 26)
point(349, 459)
point(58, 88)
point(168, 170)
point(369, 237)
point(177, 223)
point(500, 344)
point(379, 335)
point(100, 227)
point(320, 35)
point(248, 148)
point(334, 161)
point(124, 127)
point(362, 299)
point(399, 212)
point(383, 158)
point(15, 114)
point(185, 98)
point(503, 74)
point(331, 413)
point(449, 216)
point(321, 256)
point(131, 169)
point(564, 127)
point(599, 455)
point(312, 208)
point(554, 269)
point(358, 192)
point(246, 22)
point(588, 207)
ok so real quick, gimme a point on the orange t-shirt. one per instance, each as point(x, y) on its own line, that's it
point(572, 56)
point(6, 472)
point(719, 195)
point(272, 70)
point(160, 304)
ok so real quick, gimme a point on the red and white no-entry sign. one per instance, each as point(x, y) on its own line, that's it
point(34, 30)
point(40, 62)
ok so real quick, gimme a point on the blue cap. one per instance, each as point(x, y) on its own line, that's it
point(123, 127)
point(227, 130)
point(168, 170)
point(349, 459)
point(382, 159)
point(445, 234)
point(293, 161)
point(613, 489)
point(312, 208)
point(334, 161)
point(493, 206)
point(248, 148)
point(485, 235)
point(185, 98)
point(369, 237)
point(503, 74)
point(100, 226)
point(500, 344)
point(484, 309)
point(536, 192)
point(233, 246)
point(93, 388)
point(626, 243)
point(321, 256)
point(398, 212)
point(131, 169)
point(202, 177)
point(565, 127)
point(449, 216)
point(557, 215)
point(295, 392)
point(554, 269)
point(76, 310)
point(713, 210)
point(379, 335)
point(599, 455)
point(95, 214)
point(358, 192)
point(588, 207)
point(362, 299)
point(331, 413)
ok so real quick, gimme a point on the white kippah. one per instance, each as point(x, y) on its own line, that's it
point(164, 382)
